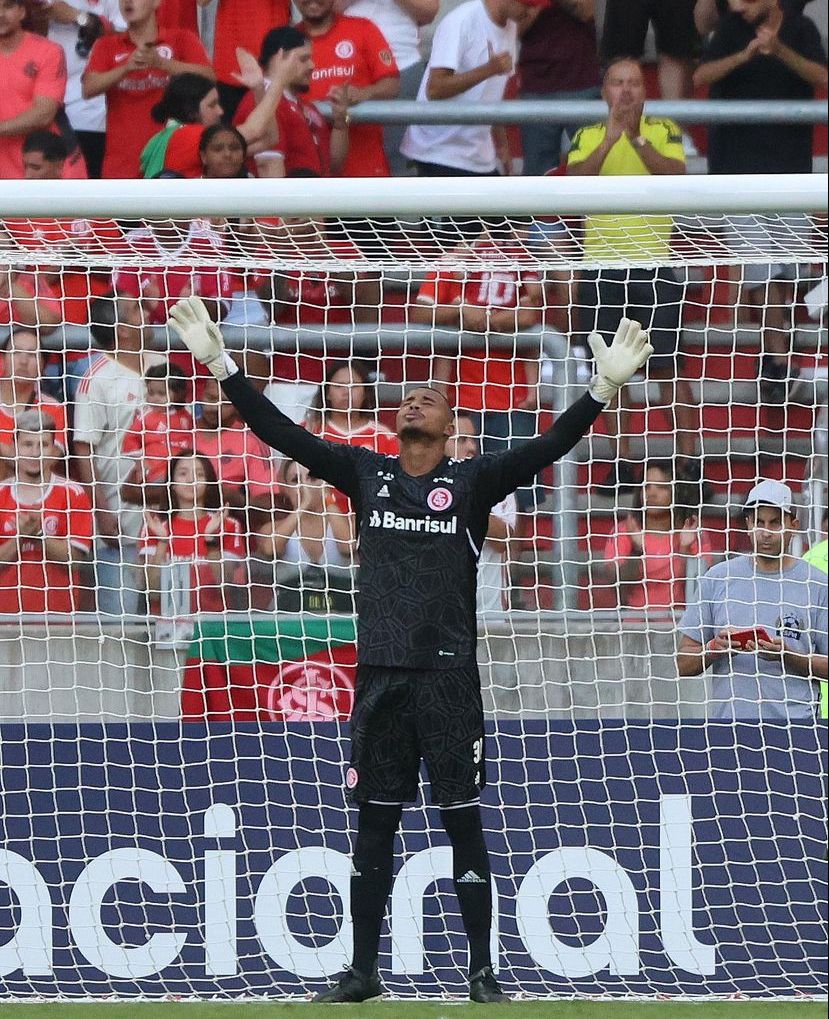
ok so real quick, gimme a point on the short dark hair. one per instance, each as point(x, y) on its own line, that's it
point(209, 133)
point(172, 374)
point(182, 97)
point(286, 37)
point(622, 58)
point(103, 321)
point(52, 146)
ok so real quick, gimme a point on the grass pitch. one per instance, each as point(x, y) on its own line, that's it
point(421, 1010)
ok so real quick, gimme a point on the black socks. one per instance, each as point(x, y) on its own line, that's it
point(371, 879)
point(471, 874)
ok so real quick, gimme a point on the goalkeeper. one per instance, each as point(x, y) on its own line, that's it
point(422, 519)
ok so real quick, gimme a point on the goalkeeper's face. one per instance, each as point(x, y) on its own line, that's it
point(424, 416)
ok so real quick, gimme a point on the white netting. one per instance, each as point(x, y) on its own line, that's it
point(177, 653)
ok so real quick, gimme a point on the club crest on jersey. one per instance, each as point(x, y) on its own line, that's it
point(439, 499)
point(344, 49)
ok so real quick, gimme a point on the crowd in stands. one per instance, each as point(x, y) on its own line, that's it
point(117, 462)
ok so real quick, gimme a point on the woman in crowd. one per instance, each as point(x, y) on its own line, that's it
point(193, 528)
point(648, 555)
point(346, 409)
point(189, 105)
point(312, 545)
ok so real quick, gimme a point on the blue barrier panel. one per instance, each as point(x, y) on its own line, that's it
point(643, 858)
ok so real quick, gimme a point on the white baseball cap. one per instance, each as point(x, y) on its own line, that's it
point(771, 493)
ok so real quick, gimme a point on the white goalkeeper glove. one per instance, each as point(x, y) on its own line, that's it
point(618, 363)
point(202, 337)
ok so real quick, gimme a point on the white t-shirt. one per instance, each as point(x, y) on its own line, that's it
point(492, 569)
point(462, 42)
point(108, 397)
point(84, 114)
point(400, 29)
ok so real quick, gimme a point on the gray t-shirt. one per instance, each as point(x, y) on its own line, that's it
point(791, 604)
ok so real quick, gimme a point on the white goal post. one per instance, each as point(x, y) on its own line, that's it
point(173, 710)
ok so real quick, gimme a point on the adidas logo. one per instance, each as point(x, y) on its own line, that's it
point(471, 878)
point(383, 493)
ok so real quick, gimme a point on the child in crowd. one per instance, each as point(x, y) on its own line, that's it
point(193, 528)
point(161, 430)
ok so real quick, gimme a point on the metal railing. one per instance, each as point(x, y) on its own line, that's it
point(585, 111)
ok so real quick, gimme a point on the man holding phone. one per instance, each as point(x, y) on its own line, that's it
point(760, 621)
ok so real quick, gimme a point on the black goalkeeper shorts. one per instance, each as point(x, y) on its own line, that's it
point(403, 716)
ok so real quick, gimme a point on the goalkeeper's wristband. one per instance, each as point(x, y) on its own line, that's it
point(602, 391)
point(222, 367)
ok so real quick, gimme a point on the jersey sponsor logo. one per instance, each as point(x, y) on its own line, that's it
point(390, 521)
point(383, 493)
point(439, 499)
point(471, 878)
point(344, 49)
point(337, 71)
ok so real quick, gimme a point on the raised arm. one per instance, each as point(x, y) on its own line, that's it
point(615, 365)
point(332, 462)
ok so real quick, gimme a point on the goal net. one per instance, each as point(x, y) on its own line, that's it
point(177, 633)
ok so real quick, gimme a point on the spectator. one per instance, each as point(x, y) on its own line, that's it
point(241, 24)
point(493, 574)
point(189, 105)
point(132, 69)
point(222, 153)
point(629, 143)
point(194, 529)
point(75, 26)
point(160, 284)
point(160, 431)
point(496, 382)
point(307, 297)
point(241, 461)
point(626, 28)
point(400, 22)
point(769, 589)
point(312, 546)
point(33, 72)
point(759, 51)
point(473, 54)
point(647, 556)
point(27, 299)
point(302, 139)
point(20, 366)
point(352, 63)
point(108, 397)
point(346, 409)
point(45, 522)
point(707, 13)
point(44, 155)
point(558, 60)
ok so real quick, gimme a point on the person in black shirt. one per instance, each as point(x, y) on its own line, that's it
point(421, 521)
point(762, 50)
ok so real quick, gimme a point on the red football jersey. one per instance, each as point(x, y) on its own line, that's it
point(304, 135)
point(188, 542)
point(161, 286)
point(238, 458)
point(353, 52)
point(156, 435)
point(491, 378)
point(32, 583)
point(130, 124)
point(372, 435)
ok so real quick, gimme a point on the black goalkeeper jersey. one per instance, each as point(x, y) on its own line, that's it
point(419, 538)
